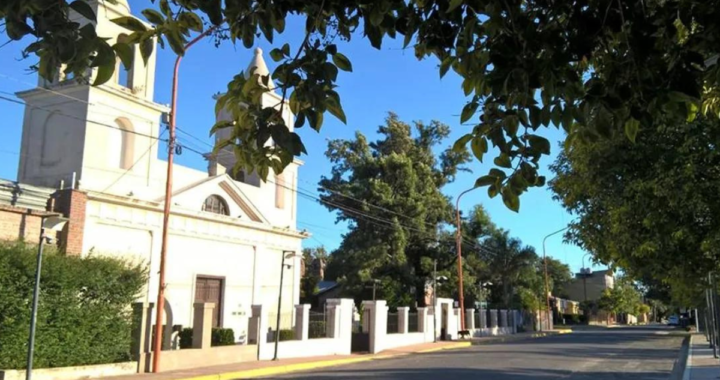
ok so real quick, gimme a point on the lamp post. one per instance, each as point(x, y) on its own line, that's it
point(435, 301)
point(285, 255)
point(52, 223)
point(458, 238)
point(547, 283)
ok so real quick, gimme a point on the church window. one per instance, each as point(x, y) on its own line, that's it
point(125, 74)
point(280, 191)
point(121, 144)
point(216, 204)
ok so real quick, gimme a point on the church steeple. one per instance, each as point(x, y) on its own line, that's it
point(258, 63)
point(111, 129)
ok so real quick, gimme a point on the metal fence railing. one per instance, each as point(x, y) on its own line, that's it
point(479, 319)
point(317, 325)
point(413, 322)
point(393, 325)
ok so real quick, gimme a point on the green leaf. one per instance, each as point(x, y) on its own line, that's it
point(276, 55)
point(493, 191)
point(286, 49)
point(503, 161)
point(84, 9)
point(125, 53)
point(105, 55)
point(460, 144)
point(165, 8)
point(315, 119)
point(511, 124)
point(479, 147)
point(534, 117)
point(539, 143)
point(130, 23)
point(632, 126)
point(468, 111)
point(445, 65)
point(545, 116)
point(497, 173)
point(342, 62)
point(104, 73)
point(192, 21)
point(485, 180)
point(146, 49)
point(335, 108)
point(453, 5)
point(153, 16)
point(176, 41)
point(511, 200)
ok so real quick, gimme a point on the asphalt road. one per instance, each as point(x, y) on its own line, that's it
point(620, 353)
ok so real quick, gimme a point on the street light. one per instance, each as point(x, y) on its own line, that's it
point(52, 223)
point(547, 283)
point(459, 258)
point(285, 255)
point(375, 282)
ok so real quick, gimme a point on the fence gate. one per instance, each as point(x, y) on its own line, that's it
point(360, 341)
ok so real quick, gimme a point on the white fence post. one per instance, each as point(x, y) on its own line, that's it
point(403, 319)
point(302, 321)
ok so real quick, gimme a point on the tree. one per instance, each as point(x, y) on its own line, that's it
point(389, 191)
point(313, 259)
point(622, 298)
point(509, 263)
point(559, 275)
point(649, 208)
point(597, 68)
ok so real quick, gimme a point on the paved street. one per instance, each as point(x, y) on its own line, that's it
point(620, 353)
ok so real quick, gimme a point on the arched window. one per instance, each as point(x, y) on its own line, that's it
point(216, 204)
point(121, 144)
point(280, 191)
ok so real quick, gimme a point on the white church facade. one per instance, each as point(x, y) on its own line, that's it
point(227, 234)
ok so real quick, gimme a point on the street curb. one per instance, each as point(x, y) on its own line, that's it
point(453, 347)
point(513, 338)
point(281, 370)
point(681, 370)
point(688, 359)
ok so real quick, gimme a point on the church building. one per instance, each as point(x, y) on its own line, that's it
point(93, 152)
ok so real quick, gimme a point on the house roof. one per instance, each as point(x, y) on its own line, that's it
point(324, 286)
point(25, 196)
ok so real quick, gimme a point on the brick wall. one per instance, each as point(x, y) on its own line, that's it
point(18, 223)
point(72, 204)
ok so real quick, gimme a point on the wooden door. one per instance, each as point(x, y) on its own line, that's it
point(210, 289)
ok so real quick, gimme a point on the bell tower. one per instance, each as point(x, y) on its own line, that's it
point(104, 137)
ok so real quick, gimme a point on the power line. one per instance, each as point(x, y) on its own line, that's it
point(80, 119)
point(128, 170)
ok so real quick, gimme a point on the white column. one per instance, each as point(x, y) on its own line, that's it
point(423, 326)
point(256, 285)
point(403, 319)
point(302, 321)
point(259, 323)
point(470, 319)
point(378, 324)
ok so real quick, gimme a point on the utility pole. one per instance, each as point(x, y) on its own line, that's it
point(290, 254)
point(547, 281)
point(458, 243)
point(434, 301)
point(157, 347)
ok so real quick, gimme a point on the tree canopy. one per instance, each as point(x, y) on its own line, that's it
point(596, 68)
point(650, 207)
point(389, 191)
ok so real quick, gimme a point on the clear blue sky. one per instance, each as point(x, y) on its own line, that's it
point(391, 79)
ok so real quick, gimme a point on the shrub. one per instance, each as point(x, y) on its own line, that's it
point(222, 337)
point(317, 329)
point(84, 314)
point(186, 336)
point(218, 337)
point(287, 334)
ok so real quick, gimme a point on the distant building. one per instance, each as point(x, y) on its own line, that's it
point(590, 286)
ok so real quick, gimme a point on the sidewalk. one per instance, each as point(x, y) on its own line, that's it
point(268, 368)
point(701, 365)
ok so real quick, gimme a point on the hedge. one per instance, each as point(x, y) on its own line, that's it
point(219, 337)
point(84, 310)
